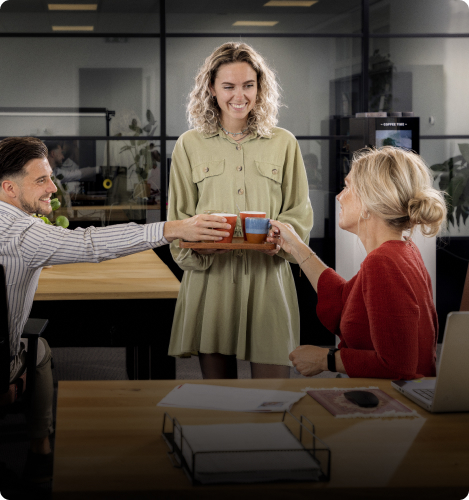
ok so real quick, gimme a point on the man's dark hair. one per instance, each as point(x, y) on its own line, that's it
point(51, 145)
point(15, 152)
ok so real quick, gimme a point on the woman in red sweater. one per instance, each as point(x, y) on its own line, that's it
point(384, 316)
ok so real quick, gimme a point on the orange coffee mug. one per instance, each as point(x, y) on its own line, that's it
point(231, 219)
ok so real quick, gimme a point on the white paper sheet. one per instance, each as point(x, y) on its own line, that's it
point(244, 453)
point(214, 397)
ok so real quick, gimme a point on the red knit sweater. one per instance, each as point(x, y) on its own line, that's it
point(384, 316)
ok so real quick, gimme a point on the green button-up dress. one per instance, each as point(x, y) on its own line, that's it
point(243, 302)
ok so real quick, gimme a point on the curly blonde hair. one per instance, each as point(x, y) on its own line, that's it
point(203, 111)
point(397, 186)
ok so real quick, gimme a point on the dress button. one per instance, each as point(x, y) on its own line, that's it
point(274, 171)
point(206, 169)
point(239, 147)
point(240, 191)
point(239, 168)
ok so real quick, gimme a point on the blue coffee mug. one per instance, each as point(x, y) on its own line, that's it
point(256, 225)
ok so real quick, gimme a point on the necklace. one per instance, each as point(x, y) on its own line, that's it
point(233, 133)
point(240, 138)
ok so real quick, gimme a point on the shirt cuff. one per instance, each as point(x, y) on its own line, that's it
point(154, 234)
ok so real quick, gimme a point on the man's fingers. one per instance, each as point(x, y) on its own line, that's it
point(220, 225)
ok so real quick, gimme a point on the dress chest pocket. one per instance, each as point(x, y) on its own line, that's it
point(270, 170)
point(207, 169)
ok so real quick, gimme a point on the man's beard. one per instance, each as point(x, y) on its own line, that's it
point(32, 209)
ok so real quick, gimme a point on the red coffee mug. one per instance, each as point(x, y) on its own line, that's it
point(231, 219)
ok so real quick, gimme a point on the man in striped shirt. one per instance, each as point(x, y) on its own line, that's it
point(27, 244)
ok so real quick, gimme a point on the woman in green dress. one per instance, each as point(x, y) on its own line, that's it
point(241, 303)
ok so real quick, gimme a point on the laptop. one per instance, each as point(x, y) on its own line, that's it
point(449, 391)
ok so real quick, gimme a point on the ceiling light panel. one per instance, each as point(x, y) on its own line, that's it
point(72, 28)
point(73, 6)
point(292, 3)
point(255, 23)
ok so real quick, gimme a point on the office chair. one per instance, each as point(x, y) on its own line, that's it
point(12, 398)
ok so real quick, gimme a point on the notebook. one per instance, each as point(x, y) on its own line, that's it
point(449, 391)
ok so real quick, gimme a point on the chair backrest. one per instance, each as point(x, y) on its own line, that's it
point(4, 335)
point(465, 294)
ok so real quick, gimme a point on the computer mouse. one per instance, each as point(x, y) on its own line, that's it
point(364, 399)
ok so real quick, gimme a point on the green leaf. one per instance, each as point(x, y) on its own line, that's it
point(456, 188)
point(124, 148)
point(438, 167)
point(450, 218)
point(153, 131)
point(137, 158)
point(464, 148)
point(458, 214)
point(62, 221)
point(147, 128)
point(465, 214)
point(132, 142)
point(444, 181)
point(150, 117)
point(54, 203)
point(45, 219)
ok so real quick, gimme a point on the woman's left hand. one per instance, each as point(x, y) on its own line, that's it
point(309, 360)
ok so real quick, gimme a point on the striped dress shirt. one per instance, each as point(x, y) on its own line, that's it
point(27, 244)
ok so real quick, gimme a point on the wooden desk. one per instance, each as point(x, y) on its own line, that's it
point(108, 445)
point(122, 302)
point(139, 276)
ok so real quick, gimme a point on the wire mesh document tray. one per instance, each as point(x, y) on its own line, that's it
point(288, 450)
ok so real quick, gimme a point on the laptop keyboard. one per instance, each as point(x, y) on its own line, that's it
point(425, 393)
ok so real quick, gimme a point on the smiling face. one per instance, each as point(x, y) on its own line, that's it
point(34, 190)
point(235, 88)
point(350, 208)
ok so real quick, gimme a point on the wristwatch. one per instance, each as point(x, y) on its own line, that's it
point(331, 359)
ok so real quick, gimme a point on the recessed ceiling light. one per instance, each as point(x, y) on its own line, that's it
point(255, 23)
point(292, 3)
point(73, 6)
point(72, 28)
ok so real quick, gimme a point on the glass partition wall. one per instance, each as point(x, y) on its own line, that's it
point(110, 84)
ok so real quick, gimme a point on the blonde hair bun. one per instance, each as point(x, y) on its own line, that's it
point(396, 185)
point(427, 210)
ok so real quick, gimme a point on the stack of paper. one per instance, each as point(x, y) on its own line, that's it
point(215, 397)
point(244, 453)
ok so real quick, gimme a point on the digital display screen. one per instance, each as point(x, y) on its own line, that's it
point(398, 138)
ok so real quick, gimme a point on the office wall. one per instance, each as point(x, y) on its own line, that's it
point(44, 72)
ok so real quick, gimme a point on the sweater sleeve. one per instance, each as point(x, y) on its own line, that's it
point(393, 315)
point(331, 299)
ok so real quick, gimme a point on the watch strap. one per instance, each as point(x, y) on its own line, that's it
point(331, 359)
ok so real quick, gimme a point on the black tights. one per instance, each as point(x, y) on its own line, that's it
point(223, 366)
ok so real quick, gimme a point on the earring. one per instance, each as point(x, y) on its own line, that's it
point(365, 218)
